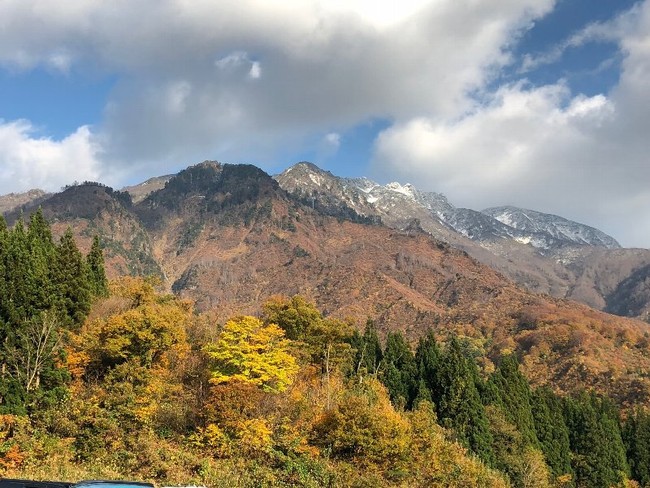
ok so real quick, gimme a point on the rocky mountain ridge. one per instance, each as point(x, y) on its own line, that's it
point(546, 253)
point(402, 202)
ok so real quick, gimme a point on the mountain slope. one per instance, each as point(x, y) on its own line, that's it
point(228, 237)
point(93, 209)
point(545, 253)
point(243, 250)
point(13, 201)
point(559, 228)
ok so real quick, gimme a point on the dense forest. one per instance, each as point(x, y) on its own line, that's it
point(117, 380)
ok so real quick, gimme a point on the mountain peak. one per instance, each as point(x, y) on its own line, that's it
point(565, 231)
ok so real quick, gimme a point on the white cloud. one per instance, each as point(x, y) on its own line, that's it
point(316, 64)
point(582, 157)
point(612, 30)
point(249, 80)
point(333, 139)
point(28, 161)
point(255, 71)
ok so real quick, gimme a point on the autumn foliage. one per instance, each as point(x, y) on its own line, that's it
point(139, 385)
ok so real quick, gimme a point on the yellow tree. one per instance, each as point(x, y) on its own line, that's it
point(248, 350)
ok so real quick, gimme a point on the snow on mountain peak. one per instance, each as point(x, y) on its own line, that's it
point(406, 189)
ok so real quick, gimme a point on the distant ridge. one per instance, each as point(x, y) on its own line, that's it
point(544, 252)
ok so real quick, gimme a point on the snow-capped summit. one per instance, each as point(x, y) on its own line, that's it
point(563, 230)
point(398, 205)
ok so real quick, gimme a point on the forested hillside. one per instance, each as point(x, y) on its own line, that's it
point(120, 381)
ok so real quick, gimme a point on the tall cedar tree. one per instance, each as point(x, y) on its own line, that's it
point(97, 272)
point(400, 370)
point(458, 402)
point(28, 315)
point(42, 252)
point(636, 435)
point(513, 395)
point(552, 431)
point(368, 354)
point(18, 275)
point(427, 358)
point(71, 278)
point(594, 433)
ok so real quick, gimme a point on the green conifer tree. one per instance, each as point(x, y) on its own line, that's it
point(368, 354)
point(458, 403)
point(71, 280)
point(400, 375)
point(514, 397)
point(18, 275)
point(427, 358)
point(96, 269)
point(595, 437)
point(41, 253)
point(636, 435)
point(552, 431)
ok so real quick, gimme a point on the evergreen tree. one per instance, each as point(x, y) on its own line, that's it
point(427, 358)
point(400, 373)
point(422, 394)
point(368, 354)
point(552, 431)
point(39, 229)
point(595, 437)
point(514, 397)
point(636, 435)
point(97, 272)
point(41, 252)
point(71, 280)
point(458, 403)
point(18, 275)
point(4, 242)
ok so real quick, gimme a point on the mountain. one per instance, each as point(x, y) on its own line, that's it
point(541, 224)
point(545, 253)
point(140, 191)
point(630, 297)
point(94, 209)
point(397, 204)
point(13, 201)
point(229, 237)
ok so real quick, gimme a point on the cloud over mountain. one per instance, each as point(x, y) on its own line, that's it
point(544, 146)
point(254, 81)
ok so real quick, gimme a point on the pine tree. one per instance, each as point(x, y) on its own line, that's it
point(42, 252)
point(4, 242)
point(552, 431)
point(596, 442)
point(71, 280)
point(514, 397)
point(427, 358)
point(97, 272)
point(636, 435)
point(368, 353)
point(458, 403)
point(400, 374)
point(18, 275)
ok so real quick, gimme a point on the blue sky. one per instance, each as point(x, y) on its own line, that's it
point(536, 103)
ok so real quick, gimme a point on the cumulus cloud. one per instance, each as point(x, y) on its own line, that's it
point(543, 148)
point(247, 81)
point(243, 80)
point(612, 30)
point(29, 161)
